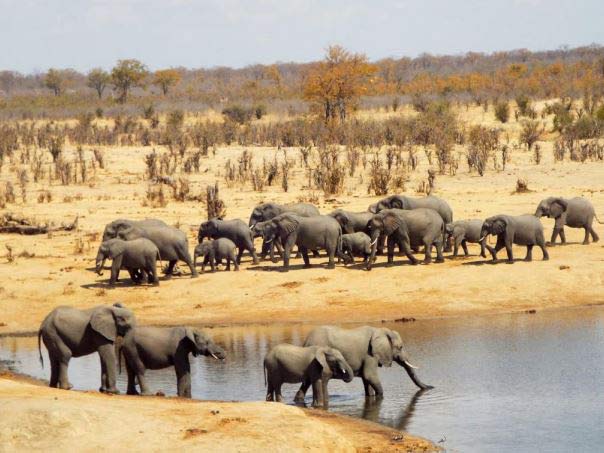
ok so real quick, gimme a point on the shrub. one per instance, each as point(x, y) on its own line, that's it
point(259, 111)
point(237, 114)
point(523, 103)
point(502, 111)
point(531, 132)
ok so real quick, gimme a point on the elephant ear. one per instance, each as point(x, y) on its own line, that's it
point(320, 357)
point(373, 208)
point(397, 203)
point(381, 347)
point(392, 222)
point(190, 335)
point(116, 248)
point(103, 323)
point(558, 207)
point(288, 224)
point(125, 234)
point(499, 225)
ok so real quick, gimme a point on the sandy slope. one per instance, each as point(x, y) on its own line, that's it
point(54, 420)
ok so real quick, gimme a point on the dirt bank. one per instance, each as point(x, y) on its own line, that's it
point(47, 419)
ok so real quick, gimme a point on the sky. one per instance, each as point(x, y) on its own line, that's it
point(81, 34)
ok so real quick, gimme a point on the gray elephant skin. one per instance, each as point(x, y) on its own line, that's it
point(429, 202)
point(214, 251)
point(268, 211)
point(68, 332)
point(356, 244)
point(171, 242)
point(365, 349)
point(352, 222)
point(572, 212)
point(521, 230)
point(463, 232)
point(313, 365)
point(136, 256)
point(236, 230)
point(155, 348)
point(408, 229)
point(308, 233)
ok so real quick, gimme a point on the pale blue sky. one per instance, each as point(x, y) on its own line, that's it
point(38, 34)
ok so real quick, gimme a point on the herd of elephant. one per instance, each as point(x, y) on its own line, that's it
point(397, 220)
point(328, 352)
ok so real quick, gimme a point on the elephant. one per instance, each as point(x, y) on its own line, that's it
point(521, 230)
point(352, 222)
point(356, 244)
point(155, 348)
point(171, 242)
point(68, 332)
point(138, 255)
point(464, 231)
point(574, 212)
point(235, 230)
point(214, 251)
point(365, 349)
point(308, 233)
point(420, 226)
point(407, 203)
point(313, 365)
point(267, 211)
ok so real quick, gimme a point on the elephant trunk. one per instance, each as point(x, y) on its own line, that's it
point(375, 234)
point(100, 263)
point(410, 369)
point(539, 212)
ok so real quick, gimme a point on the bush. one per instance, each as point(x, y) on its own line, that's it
point(531, 132)
point(237, 114)
point(259, 111)
point(524, 104)
point(502, 111)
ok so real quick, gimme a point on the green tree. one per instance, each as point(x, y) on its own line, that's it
point(98, 80)
point(166, 79)
point(126, 75)
point(54, 81)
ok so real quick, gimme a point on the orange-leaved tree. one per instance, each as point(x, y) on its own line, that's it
point(338, 81)
point(166, 79)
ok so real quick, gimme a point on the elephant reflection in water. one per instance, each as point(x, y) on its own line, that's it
point(372, 408)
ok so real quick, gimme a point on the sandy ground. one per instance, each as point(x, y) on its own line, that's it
point(60, 272)
point(54, 420)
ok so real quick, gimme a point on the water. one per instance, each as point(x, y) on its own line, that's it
point(503, 383)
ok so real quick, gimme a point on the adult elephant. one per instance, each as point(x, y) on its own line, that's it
point(521, 230)
point(68, 332)
point(408, 203)
point(365, 349)
point(574, 212)
point(352, 222)
point(236, 230)
point(407, 229)
point(171, 242)
point(308, 233)
point(268, 211)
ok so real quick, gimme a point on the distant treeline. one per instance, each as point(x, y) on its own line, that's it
point(475, 77)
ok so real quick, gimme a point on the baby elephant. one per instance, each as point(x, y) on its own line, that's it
point(356, 244)
point(464, 231)
point(155, 348)
point(286, 363)
point(138, 256)
point(213, 251)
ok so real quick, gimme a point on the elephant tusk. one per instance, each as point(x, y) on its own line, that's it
point(374, 241)
point(482, 238)
point(410, 365)
point(343, 371)
point(214, 355)
point(269, 241)
point(252, 227)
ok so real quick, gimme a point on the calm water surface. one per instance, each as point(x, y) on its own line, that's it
point(503, 383)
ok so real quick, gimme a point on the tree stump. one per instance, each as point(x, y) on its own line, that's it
point(216, 207)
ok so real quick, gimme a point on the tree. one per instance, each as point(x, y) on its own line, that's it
point(98, 80)
point(54, 80)
point(126, 75)
point(7, 81)
point(337, 82)
point(166, 79)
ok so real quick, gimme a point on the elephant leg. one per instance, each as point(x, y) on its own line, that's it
point(301, 393)
point(235, 263)
point(264, 250)
point(370, 374)
point(368, 388)
point(228, 263)
point(509, 251)
point(498, 246)
point(555, 233)
point(115, 270)
point(427, 252)
point(380, 244)
point(529, 253)
point(317, 393)
point(447, 243)
point(131, 389)
point(407, 249)
point(135, 276)
point(439, 252)
point(270, 390)
point(250, 248)
point(187, 259)
point(278, 395)
point(304, 252)
point(483, 248)
point(541, 244)
point(62, 355)
point(107, 355)
point(464, 245)
point(456, 244)
point(331, 255)
point(594, 235)
point(324, 392)
point(212, 259)
point(240, 254)
point(562, 236)
point(170, 269)
point(390, 246)
point(351, 256)
point(183, 376)
point(153, 273)
point(586, 239)
point(316, 254)
point(54, 372)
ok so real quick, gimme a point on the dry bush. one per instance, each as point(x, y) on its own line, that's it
point(151, 165)
point(36, 166)
point(155, 196)
point(353, 157)
point(270, 170)
point(502, 111)
point(78, 246)
point(530, 133)
point(285, 174)
point(45, 196)
point(9, 192)
point(522, 186)
point(9, 253)
point(215, 206)
point(23, 179)
point(99, 157)
point(63, 171)
point(482, 142)
point(379, 177)
point(329, 174)
point(257, 180)
point(311, 197)
point(181, 189)
point(304, 155)
point(537, 154)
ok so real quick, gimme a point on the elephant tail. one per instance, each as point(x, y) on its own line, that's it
point(264, 369)
point(598, 220)
point(40, 348)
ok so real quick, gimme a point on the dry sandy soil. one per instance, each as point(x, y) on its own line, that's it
point(46, 419)
point(61, 271)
